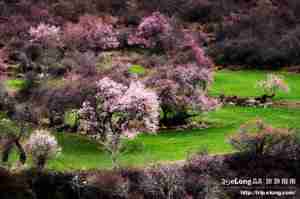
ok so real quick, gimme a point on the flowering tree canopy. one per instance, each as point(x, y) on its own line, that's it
point(182, 84)
point(151, 30)
point(117, 111)
point(47, 35)
point(91, 32)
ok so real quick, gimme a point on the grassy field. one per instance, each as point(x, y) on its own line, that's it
point(244, 83)
point(80, 153)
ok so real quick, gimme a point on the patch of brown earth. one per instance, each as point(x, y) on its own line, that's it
point(286, 104)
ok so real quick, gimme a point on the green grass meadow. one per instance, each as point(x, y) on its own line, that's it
point(79, 153)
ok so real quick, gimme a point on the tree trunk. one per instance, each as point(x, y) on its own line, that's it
point(6, 150)
point(40, 163)
point(22, 153)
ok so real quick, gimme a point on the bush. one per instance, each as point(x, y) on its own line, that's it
point(109, 185)
point(164, 182)
point(258, 138)
point(205, 164)
point(273, 84)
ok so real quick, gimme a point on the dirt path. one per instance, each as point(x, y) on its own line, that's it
point(287, 104)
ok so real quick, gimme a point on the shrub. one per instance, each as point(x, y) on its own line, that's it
point(273, 84)
point(118, 110)
point(164, 182)
point(205, 164)
point(42, 146)
point(109, 185)
point(258, 138)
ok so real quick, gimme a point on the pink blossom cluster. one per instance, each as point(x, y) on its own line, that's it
point(206, 103)
point(154, 24)
point(109, 89)
point(183, 86)
point(120, 110)
point(273, 84)
point(149, 30)
point(91, 32)
point(42, 145)
point(192, 76)
point(47, 35)
point(199, 54)
point(141, 103)
point(105, 36)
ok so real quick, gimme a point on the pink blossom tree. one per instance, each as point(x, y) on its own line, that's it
point(182, 85)
point(152, 29)
point(46, 35)
point(180, 89)
point(119, 111)
point(91, 32)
